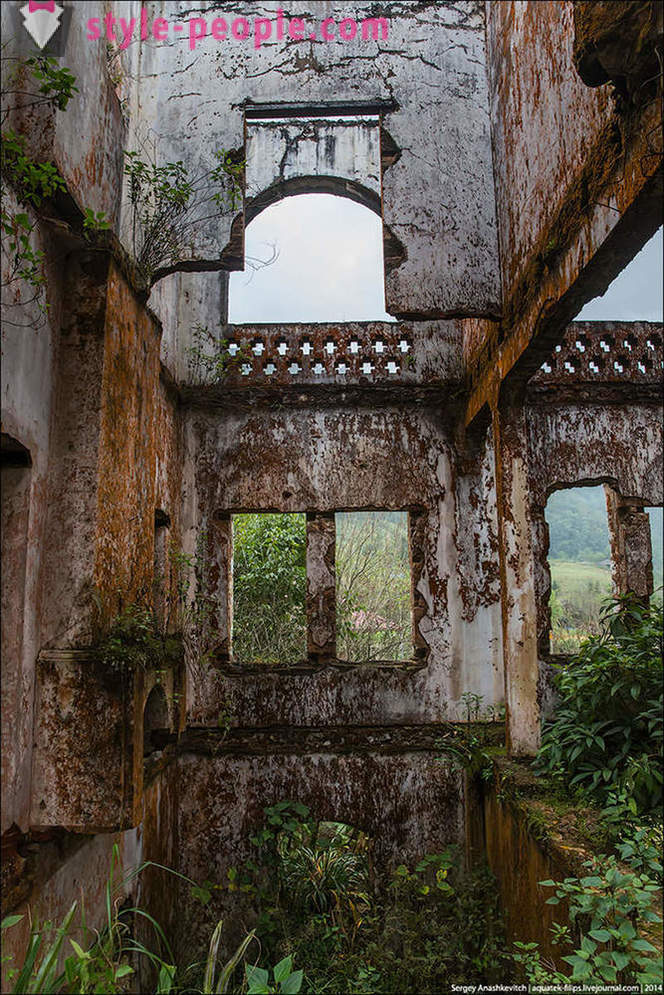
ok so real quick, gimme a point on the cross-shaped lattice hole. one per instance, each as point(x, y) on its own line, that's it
point(404, 345)
point(282, 347)
point(593, 367)
point(379, 347)
point(246, 369)
point(546, 367)
point(558, 348)
point(618, 366)
point(581, 343)
point(318, 369)
point(641, 367)
point(342, 368)
point(294, 368)
point(392, 367)
point(258, 347)
point(329, 346)
point(270, 368)
point(232, 347)
point(569, 367)
point(605, 344)
point(631, 343)
point(354, 347)
point(596, 363)
point(367, 367)
point(306, 347)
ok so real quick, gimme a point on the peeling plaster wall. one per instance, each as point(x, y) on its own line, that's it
point(409, 803)
point(545, 122)
point(307, 460)
point(281, 152)
point(571, 445)
point(437, 198)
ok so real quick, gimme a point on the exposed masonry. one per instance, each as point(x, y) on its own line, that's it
point(122, 428)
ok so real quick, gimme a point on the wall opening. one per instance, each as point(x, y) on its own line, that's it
point(580, 564)
point(373, 587)
point(155, 721)
point(637, 292)
point(269, 578)
point(656, 516)
point(328, 264)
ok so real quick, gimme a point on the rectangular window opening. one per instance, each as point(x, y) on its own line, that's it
point(656, 516)
point(373, 587)
point(580, 565)
point(269, 623)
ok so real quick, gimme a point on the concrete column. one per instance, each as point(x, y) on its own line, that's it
point(517, 576)
point(218, 584)
point(321, 594)
point(631, 546)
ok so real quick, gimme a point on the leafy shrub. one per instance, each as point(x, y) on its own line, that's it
point(269, 588)
point(606, 734)
point(135, 640)
point(605, 907)
point(320, 901)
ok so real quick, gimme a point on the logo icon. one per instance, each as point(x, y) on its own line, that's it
point(41, 20)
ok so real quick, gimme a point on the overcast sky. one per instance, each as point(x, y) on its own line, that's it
point(330, 268)
point(636, 294)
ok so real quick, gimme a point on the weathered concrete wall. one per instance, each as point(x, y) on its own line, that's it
point(437, 198)
point(578, 186)
point(280, 154)
point(340, 459)
point(408, 802)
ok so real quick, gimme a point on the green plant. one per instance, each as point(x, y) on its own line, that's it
point(135, 640)
point(285, 980)
point(641, 848)
point(94, 221)
point(167, 205)
point(269, 588)
point(605, 909)
point(471, 745)
point(606, 734)
point(100, 960)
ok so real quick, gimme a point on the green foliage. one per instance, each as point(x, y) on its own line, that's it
point(134, 640)
point(641, 848)
point(95, 221)
point(269, 588)
point(605, 909)
point(318, 900)
point(285, 979)
point(606, 734)
point(471, 745)
point(56, 83)
point(168, 205)
point(98, 961)
point(35, 182)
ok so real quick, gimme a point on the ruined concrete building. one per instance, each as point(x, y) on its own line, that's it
point(513, 152)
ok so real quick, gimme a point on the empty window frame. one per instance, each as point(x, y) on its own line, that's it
point(580, 564)
point(373, 587)
point(655, 514)
point(269, 581)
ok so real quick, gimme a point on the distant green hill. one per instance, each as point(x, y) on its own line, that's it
point(578, 528)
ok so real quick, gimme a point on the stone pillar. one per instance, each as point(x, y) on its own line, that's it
point(517, 576)
point(218, 584)
point(631, 546)
point(321, 594)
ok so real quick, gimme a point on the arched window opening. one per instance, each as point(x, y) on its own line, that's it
point(155, 721)
point(327, 266)
point(580, 564)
